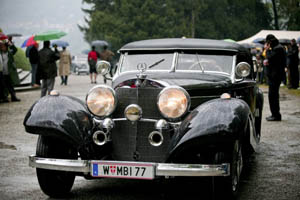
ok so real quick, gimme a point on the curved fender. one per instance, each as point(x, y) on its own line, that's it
point(215, 121)
point(64, 117)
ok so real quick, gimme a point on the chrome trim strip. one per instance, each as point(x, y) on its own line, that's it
point(233, 69)
point(59, 164)
point(205, 97)
point(176, 48)
point(174, 62)
point(192, 170)
point(161, 169)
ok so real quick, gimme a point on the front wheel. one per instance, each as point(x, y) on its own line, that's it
point(228, 186)
point(55, 183)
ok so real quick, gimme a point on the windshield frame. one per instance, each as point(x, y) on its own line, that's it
point(175, 61)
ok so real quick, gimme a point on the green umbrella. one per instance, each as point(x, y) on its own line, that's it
point(49, 35)
point(229, 40)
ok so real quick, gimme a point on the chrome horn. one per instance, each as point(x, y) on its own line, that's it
point(155, 138)
point(101, 138)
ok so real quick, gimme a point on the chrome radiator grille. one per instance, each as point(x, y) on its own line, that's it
point(130, 140)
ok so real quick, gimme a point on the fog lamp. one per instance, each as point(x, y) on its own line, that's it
point(133, 112)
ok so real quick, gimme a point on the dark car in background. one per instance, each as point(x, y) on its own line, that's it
point(176, 108)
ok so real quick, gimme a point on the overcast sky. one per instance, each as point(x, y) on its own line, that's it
point(33, 16)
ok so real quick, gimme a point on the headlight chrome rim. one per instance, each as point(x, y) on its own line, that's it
point(188, 102)
point(113, 106)
point(243, 66)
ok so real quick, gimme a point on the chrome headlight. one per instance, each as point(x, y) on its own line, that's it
point(243, 69)
point(101, 100)
point(173, 102)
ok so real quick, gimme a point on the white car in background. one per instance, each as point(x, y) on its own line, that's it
point(80, 65)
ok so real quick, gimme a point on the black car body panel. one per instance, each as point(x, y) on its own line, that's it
point(62, 117)
point(216, 123)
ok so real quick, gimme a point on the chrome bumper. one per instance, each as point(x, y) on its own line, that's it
point(161, 169)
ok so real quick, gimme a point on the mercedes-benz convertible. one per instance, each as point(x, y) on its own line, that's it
point(175, 108)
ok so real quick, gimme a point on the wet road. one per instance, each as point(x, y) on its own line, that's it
point(274, 171)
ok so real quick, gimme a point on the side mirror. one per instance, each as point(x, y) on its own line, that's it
point(103, 67)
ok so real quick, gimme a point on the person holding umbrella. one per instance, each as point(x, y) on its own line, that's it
point(10, 74)
point(64, 65)
point(92, 60)
point(34, 59)
point(47, 69)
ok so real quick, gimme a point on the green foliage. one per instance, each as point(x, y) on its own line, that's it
point(21, 61)
point(123, 21)
point(289, 11)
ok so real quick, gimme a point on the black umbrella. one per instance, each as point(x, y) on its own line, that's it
point(14, 35)
point(248, 45)
point(284, 41)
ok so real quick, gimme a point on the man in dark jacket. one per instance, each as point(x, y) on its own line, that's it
point(276, 57)
point(47, 69)
point(34, 59)
point(293, 61)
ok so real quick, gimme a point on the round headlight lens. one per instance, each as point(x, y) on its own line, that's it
point(243, 69)
point(101, 100)
point(133, 112)
point(173, 102)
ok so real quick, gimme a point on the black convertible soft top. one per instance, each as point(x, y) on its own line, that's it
point(182, 43)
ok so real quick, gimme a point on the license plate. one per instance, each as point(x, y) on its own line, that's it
point(122, 170)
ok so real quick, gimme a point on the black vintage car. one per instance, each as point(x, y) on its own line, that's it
point(176, 108)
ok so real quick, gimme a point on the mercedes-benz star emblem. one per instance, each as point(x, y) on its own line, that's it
point(142, 67)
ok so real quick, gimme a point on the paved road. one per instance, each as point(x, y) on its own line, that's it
point(274, 173)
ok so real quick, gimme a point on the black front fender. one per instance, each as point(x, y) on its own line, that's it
point(63, 117)
point(215, 123)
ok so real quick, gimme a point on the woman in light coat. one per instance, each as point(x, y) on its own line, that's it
point(64, 65)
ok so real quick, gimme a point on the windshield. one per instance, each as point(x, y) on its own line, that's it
point(161, 61)
point(191, 61)
point(205, 63)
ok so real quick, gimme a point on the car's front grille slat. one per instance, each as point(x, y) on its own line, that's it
point(130, 140)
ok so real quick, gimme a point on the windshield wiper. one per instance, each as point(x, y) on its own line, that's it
point(199, 63)
point(156, 63)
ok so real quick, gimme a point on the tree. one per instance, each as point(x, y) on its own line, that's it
point(120, 22)
point(290, 14)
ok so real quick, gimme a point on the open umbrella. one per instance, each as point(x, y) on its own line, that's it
point(284, 41)
point(29, 42)
point(248, 45)
point(259, 40)
point(229, 40)
point(49, 35)
point(3, 36)
point(60, 43)
point(100, 43)
point(14, 35)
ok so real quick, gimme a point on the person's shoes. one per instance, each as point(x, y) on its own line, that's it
point(272, 118)
point(15, 99)
point(95, 82)
point(4, 100)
